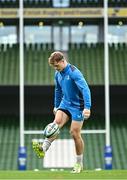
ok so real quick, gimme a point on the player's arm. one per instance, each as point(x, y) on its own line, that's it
point(84, 89)
point(57, 94)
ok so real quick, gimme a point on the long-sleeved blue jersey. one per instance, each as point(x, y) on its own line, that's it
point(71, 88)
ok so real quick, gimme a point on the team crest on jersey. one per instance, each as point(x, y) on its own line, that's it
point(67, 77)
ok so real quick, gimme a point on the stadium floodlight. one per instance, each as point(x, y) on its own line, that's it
point(22, 149)
point(108, 149)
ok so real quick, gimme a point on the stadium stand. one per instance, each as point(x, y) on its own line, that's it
point(118, 66)
point(38, 3)
point(86, 3)
point(9, 3)
point(89, 58)
point(9, 139)
point(36, 66)
point(117, 3)
point(9, 61)
point(71, 3)
point(37, 70)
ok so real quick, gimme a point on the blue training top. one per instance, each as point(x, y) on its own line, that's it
point(71, 88)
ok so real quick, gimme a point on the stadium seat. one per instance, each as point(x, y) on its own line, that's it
point(37, 70)
point(37, 3)
point(9, 3)
point(117, 3)
point(72, 3)
point(95, 143)
point(86, 3)
point(88, 57)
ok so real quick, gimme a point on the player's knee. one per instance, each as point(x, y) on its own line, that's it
point(58, 121)
point(75, 133)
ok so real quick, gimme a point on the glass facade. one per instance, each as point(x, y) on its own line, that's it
point(84, 34)
point(37, 34)
point(118, 33)
point(8, 34)
point(61, 35)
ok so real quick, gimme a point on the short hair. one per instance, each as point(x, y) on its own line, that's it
point(56, 57)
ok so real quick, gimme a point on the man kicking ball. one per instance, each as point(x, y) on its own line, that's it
point(72, 103)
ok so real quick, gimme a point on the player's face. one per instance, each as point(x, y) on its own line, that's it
point(59, 66)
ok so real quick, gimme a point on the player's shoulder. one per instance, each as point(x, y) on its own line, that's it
point(74, 70)
point(75, 73)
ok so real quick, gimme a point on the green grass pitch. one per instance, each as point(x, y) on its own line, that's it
point(88, 174)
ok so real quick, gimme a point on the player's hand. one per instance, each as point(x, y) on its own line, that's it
point(86, 113)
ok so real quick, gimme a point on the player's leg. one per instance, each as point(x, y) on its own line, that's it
point(40, 148)
point(60, 118)
point(79, 145)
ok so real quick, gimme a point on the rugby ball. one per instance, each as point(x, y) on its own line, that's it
point(51, 130)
